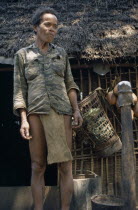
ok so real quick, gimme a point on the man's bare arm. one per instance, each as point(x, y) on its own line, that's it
point(25, 127)
point(72, 94)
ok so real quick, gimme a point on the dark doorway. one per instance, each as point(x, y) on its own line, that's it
point(15, 167)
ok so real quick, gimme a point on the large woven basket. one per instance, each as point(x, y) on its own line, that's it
point(97, 128)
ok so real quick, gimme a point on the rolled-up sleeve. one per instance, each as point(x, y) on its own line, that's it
point(69, 81)
point(20, 85)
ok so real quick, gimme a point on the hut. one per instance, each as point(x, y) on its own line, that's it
point(101, 38)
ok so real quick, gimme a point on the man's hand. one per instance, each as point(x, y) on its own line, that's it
point(24, 130)
point(77, 122)
point(25, 127)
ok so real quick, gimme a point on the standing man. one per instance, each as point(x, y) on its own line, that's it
point(45, 97)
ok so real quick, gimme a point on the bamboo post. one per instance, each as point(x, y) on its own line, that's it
point(128, 163)
point(107, 174)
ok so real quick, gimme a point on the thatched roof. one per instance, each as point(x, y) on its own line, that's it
point(104, 29)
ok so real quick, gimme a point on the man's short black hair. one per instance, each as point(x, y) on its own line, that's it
point(37, 16)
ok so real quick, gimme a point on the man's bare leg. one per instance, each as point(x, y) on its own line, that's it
point(65, 169)
point(37, 146)
point(66, 184)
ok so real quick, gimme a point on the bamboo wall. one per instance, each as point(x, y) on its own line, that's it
point(84, 160)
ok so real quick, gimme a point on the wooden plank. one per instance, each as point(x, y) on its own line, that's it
point(102, 173)
point(90, 80)
point(107, 174)
point(88, 66)
point(81, 82)
point(82, 160)
point(128, 162)
point(128, 166)
point(115, 177)
point(6, 69)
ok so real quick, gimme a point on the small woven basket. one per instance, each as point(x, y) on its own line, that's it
point(97, 128)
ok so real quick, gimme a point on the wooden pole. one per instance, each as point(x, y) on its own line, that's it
point(128, 163)
point(90, 80)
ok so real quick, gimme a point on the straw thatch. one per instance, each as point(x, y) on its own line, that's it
point(88, 28)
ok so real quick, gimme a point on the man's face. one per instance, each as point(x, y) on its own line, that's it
point(47, 28)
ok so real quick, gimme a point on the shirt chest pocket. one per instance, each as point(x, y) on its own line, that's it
point(58, 66)
point(32, 69)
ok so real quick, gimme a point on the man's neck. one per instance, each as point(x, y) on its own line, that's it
point(43, 46)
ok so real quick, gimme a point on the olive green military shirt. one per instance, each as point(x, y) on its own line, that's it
point(42, 81)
